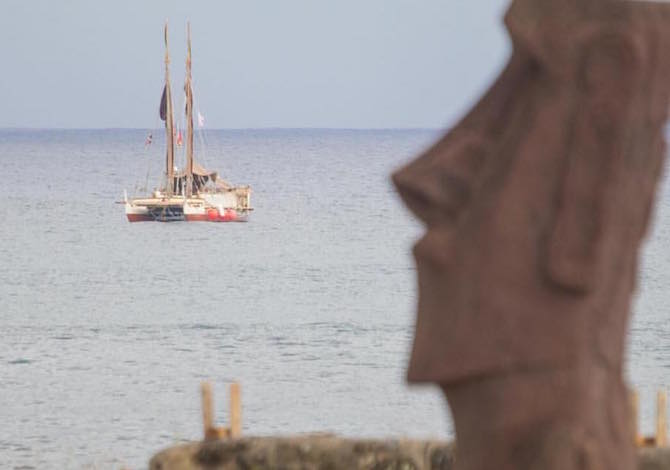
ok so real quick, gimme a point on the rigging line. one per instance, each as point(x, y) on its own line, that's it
point(180, 126)
point(146, 181)
point(148, 155)
point(148, 152)
point(202, 135)
point(203, 144)
point(148, 148)
point(199, 129)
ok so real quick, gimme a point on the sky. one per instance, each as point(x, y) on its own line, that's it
point(256, 63)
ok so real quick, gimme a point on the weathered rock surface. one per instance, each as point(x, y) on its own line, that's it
point(654, 459)
point(331, 453)
point(306, 453)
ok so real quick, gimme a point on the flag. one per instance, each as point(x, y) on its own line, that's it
point(201, 120)
point(180, 141)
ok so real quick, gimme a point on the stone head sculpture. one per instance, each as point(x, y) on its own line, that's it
point(535, 207)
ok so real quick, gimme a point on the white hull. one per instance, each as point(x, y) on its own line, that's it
point(224, 206)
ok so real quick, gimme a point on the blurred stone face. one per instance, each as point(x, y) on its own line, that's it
point(535, 204)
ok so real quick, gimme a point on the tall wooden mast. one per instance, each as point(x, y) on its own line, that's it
point(166, 108)
point(189, 115)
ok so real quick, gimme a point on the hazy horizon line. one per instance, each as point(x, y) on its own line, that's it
point(267, 128)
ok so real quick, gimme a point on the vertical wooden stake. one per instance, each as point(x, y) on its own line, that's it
point(235, 411)
point(207, 408)
point(634, 416)
point(661, 419)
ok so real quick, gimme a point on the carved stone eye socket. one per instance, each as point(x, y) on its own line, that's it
point(441, 184)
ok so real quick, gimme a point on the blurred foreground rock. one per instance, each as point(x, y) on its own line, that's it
point(332, 453)
point(305, 452)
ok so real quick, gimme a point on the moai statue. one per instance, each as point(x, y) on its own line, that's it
point(535, 205)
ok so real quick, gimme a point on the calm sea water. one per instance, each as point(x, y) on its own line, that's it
point(109, 327)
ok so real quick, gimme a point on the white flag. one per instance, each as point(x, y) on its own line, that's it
point(201, 120)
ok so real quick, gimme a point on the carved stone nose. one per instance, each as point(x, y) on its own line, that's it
point(439, 186)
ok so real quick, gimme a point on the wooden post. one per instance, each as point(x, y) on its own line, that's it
point(207, 408)
point(661, 419)
point(212, 432)
point(634, 416)
point(235, 411)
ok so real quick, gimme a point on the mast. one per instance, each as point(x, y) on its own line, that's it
point(189, 115)
point(167, 116)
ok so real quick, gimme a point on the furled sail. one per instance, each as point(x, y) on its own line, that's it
point(191, 181)
point(163, 107)
point(167, 116)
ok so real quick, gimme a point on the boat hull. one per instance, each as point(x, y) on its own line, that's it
point(216, 207)
point(139, 218)
point(228, 216)
point(136, 213)
point(205, 208)
point(155, 210)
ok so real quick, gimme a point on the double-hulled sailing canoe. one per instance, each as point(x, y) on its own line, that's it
point(195, 193)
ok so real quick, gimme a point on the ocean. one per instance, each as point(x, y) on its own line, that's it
point(108, 328)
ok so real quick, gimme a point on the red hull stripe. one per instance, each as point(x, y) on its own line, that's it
point(139, 218)
point(188, 218)
point(196, 217)
point(204, 218)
